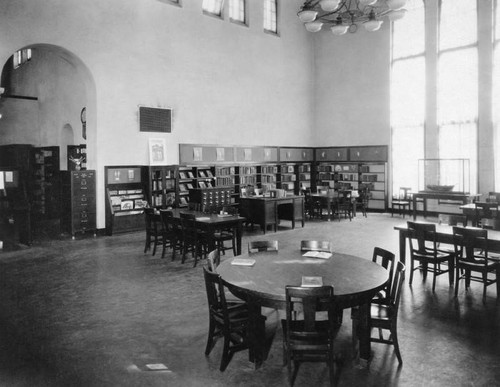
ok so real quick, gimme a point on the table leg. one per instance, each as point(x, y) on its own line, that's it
point(239, 231)
point(364, 333)
point(402, 247)
point(414, 208)
point(256, 334)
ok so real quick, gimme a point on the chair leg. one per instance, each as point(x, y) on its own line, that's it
point(147, 246)
point(226, 355)
point(457, 280)
point(394, 334)
point(211, 335)
point(434, 277)
point(411, 272)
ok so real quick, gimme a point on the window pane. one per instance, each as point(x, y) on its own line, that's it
point(458, 23)
point(237, 10)
point(270, 10)
point(457, 86)
point(409, 33)
point(213, 6)
point(497, 20)
point(459, 141)
point(408, 92)
point(407, 148)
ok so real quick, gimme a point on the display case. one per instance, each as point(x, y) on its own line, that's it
point(444, 175)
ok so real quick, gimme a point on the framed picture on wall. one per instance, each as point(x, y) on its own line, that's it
point(157, 151)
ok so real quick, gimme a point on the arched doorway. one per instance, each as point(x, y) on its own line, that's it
point(44, 94)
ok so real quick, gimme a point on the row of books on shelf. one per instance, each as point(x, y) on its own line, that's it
point(287, 169)
point(304, 176)
point(225, 181)
point(186, 175)
point(125, 192)
point(224, 171)
point(245, 180)
point(288, 178)
point(268, 169)
point(338, 168)
point(369, 178)
point(248, 170)
point(128, 204)
point(268, 179)
point(288, 186)
point(169, 184)
point(304, 168)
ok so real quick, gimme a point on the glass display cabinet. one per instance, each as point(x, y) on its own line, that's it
point(444, 175)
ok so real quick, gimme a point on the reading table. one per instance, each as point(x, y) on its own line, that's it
point(355, 281)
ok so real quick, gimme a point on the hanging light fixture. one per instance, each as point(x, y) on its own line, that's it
point(346, 15)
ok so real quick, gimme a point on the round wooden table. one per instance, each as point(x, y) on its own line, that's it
point(355, 282)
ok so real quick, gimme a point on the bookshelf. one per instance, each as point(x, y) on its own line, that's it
point(247, 176)
point(304, 175)
point(186, 179)
point(46, 187)
point(288, 178)
point(126, 190)
point(269, 176)
point(162, 189)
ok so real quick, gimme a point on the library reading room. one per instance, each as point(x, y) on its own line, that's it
point(249, 193)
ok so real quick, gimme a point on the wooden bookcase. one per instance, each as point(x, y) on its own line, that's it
point(126, 189)
point(46, 187)
point(162, 186)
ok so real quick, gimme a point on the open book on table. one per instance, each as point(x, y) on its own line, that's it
point(311, 281)
point(318, 254)
point(243, 261)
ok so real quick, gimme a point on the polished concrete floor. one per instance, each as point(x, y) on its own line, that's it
point(93, 312)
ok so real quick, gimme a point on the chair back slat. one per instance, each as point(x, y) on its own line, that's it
point(213, 259)
point(260, 246)
point(387, 260)
point(308, 245)
point(397, 285)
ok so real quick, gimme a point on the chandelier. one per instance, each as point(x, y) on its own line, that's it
point(345, 15)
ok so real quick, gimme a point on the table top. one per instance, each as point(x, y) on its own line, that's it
point(471, 206)
point(207, 218)
point(268, 198)
point(272, 271)
point(437, 195)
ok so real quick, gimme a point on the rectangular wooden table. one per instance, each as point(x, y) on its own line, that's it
point(266, 211)
point(212, 222)
point(469, 210)
point(444, 234)
point(423, 196)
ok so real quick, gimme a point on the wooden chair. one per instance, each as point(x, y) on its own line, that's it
point(227, 321)
point(226, 234)
point(309, 339)
point(452, 220)
point(153, 230)
point(424, 250)
point(193, 239)
point(345, 205)
point(171, 233)
point(402, 201)
point(385, 316)
point(386, 259)
point(316, 246)
point(312, 206)
point(363, 200)
point(471, 251)
point(490, 224)
point(484, 210)
point(260, 246)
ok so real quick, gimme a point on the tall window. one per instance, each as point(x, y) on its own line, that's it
point(496, 95)
point(457, 96)
point(270, 16)
point(237, 11)
point(408, 96)
point(213, 7)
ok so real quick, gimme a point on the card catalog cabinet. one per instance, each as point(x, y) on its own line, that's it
point(78, 202)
